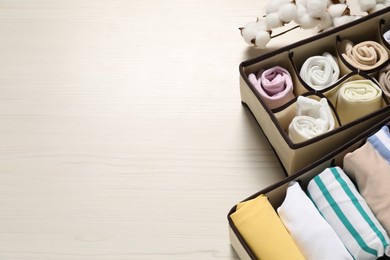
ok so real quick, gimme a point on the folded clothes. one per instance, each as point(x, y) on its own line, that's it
point(338, 201)
point(313, 118)
point(263, 231)
point(384, 80)
point(313, 235)
point(356, 99)
point(274, 86)
point(386, 35)
point(371, 173)
point(366, 55)
point(319, 72)
point(381, 142)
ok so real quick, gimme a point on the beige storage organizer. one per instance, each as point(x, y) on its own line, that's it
point(274, 123)
point(276, 193)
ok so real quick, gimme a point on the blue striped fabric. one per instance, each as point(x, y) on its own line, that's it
point(346, 211)
point(381, 142)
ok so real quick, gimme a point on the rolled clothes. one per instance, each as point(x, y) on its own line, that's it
point(313, 118)
point(384, 80)
point(356, 99)
point(371, 172)
point(312, 234)
point(338, 201)
point(366, 55)
point(319, 72)
point(274, 86)
point(263, 231)
point(386, 36)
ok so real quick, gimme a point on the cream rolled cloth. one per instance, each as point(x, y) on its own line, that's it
point(319, 72)
point(366, 55)
point(274, 86)
point(339, 202)
point(371, 173)
point(384, 80)
point(313, 235)
point(356, 99)
point(313, 118)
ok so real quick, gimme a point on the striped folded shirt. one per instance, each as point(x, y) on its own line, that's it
point(337, 199)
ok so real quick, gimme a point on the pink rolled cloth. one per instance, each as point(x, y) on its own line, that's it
point(274, 85)
point(366, 55)
point(384, 80)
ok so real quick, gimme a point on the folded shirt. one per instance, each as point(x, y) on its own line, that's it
point(319, 72)
point(313, 235)
point(366, 55)
point(381, 142)
point(356, 99)
point(371, 173)
point(338, 201)
point(313, 118)
point(274, 86)
point(263, 231)
point(386, 36)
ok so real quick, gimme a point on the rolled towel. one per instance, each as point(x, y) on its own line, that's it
point(386, 36)
point(263, 231)
point(319, 72)
point(338, 201)
point(371, 173)
point(274, 86)
point(356, 99)
point(384, 80)
point(366, 55)
point(313, 118)
point(313, 235)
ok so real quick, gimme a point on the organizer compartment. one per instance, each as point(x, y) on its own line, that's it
point(273, 122)
point(276, 193)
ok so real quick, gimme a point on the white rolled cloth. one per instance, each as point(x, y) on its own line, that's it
point(319, 72)
point(314, 236)
point(313, 118)
point(339, 202)
point(356, 99)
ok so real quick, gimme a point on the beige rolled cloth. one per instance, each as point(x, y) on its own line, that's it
point(366, 55)
point(356, 99)
point(371, 173)
point(384, 80)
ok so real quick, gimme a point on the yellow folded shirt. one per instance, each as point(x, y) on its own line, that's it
point(263, 231)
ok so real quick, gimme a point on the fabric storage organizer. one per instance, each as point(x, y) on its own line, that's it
point(274, 122)
point(276, 193)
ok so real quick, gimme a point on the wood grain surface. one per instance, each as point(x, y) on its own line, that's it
point(122, 132)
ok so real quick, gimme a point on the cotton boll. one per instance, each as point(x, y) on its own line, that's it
point(366, 5)
point(272, 20)
point(301, 11)
point(337, 21)
point(316, 8)
point(387, 2)
point(380, 1)
point(287, 12)
point(273, 5)
point(378, 7)
point(262, 39)
point(251, 29)
point(325, 22)
point(337, 10)
point(307, 22)
point(301, 2)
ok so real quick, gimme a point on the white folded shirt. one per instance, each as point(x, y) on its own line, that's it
point(312, 234)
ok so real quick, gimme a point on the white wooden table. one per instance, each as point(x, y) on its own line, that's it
point(122, 132)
